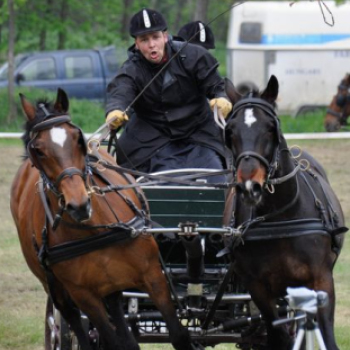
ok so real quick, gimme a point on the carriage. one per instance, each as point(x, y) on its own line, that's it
point(182, 273)
point(188, 227)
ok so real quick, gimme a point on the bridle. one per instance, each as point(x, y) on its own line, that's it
point(50, 121)
point(270, 165)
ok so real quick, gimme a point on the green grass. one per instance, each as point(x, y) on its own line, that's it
point(90, 115)
point(311, 122)
point(86, 114)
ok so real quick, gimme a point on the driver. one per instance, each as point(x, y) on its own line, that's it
point(172, 125)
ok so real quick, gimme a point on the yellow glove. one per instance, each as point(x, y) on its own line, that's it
point(116, 118)
point(223, 104)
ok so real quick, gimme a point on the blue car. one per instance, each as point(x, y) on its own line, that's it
point(83, 74)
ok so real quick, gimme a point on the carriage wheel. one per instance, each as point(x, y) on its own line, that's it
point(57, 332)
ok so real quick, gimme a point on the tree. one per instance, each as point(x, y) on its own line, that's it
point(62, 34)
point(124, 34)
point(200, 13)
point(11, 48)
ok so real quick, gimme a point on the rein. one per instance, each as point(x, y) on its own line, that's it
point(156, 179)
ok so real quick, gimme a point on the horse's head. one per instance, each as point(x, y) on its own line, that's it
point(253, 135)
point(57, 149)
point(339, 109)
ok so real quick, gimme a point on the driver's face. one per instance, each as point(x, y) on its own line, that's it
point(152, 45)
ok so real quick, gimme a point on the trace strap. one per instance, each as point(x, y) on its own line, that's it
point(72, 249)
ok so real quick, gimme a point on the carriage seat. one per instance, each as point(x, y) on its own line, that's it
point(173, 204)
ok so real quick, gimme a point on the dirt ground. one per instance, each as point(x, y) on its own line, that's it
point(22, 299)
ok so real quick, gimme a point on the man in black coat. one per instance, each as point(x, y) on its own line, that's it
point(172, 125)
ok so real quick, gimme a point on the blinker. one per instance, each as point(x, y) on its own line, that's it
point(341, 100)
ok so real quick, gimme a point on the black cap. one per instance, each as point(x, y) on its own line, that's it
point(200, 34)
point(147, 21)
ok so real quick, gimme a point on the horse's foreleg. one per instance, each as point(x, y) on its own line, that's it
point(95, 310)
point(157, 288)
point(278, 338)
point(71, 315)
point(115, 309)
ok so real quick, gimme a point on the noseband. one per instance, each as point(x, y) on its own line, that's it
point(49, 122)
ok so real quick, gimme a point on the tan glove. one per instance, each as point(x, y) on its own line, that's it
point(116, 118)
point(223, 104)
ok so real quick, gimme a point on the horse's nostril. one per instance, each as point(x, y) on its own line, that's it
point(256, 190)
point(79, 212)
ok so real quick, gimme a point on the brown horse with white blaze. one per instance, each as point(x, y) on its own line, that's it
point(291, 221)
point(60, 198)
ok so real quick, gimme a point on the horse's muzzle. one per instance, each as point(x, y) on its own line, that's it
point(79, 212)
point(332, 126)
point(250, 191)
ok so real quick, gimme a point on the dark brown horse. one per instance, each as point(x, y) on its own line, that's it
point(60, 200)
point(339, 109)
point(291, 220)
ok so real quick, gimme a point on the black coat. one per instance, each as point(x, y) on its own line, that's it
point(173, 107)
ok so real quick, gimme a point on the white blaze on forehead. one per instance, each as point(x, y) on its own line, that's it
point(58, 135)
point(249, 118)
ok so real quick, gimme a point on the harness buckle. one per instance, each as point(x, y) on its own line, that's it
point(304, 164)
point(270, 187)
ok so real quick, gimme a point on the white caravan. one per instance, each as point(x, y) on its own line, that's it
point(293, 42)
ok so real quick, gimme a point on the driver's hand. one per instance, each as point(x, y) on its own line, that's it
point(116, 118)
point(223, 104)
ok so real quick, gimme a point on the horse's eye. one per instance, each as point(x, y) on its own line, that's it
point(39, 153)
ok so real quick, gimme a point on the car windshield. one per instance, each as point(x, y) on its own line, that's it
point(4, 67)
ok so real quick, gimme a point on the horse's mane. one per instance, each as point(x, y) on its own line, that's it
point(39, 116)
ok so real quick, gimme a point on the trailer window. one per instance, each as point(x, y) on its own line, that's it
point(250, 33)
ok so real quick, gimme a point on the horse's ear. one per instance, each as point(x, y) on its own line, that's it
point(231, 91)
point(271, 92)
point(28, 108)
point(62, 102)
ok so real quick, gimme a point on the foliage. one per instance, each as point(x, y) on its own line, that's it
point(86, 114)
point(40, 24)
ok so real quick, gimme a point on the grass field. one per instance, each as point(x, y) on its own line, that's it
point(22, 299)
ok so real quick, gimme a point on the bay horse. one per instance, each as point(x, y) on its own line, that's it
point(291, 221)
point(77, 235)
point(339, 109)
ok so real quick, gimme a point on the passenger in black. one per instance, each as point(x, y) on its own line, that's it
point(198, 33)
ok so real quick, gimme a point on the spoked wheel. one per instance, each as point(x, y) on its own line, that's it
point(57, 332)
